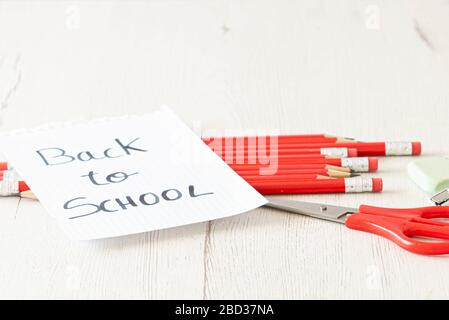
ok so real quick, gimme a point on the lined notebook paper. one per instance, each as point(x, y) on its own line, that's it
point(126, 175)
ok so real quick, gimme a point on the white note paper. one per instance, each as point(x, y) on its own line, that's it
point(126, 175)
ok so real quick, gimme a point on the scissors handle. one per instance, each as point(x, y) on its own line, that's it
point(402, 225)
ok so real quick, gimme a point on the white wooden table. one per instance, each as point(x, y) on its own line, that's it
point(374, 70)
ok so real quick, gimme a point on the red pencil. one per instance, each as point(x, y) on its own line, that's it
point(231, 153)
point(283, 179)
point(362, 164)
point(364, 148)
point(286, 173)
point(346, 185)
point(287, 168)
point(318, 170)
point(294, 175)
point(356, 164)
point(281, 139)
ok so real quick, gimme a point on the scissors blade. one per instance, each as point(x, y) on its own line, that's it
point(317, 210)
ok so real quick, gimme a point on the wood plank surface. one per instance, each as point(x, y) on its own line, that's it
point(374, 70)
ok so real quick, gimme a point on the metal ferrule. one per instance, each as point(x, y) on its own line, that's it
point(9, 186)
point(358, 185)
point(441, 197)
point(334, 152)
point(356, 164)
point(398, 148)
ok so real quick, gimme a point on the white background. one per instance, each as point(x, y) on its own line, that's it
point(374, 70)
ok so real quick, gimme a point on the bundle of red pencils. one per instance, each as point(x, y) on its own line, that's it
point(292, 164)
point(299, 164)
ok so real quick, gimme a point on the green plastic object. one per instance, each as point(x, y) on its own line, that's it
point(431, 174)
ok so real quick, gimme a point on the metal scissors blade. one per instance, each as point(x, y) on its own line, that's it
point(316, 210)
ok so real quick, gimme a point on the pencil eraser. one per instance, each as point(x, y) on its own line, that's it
point(377, 185)
point(373, 164)
point(416, 148)
point(352, 152)
point(430, 174)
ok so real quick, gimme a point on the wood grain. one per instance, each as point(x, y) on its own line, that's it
point(375, 70)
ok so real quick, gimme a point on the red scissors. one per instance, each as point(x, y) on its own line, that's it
point(402, 226)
